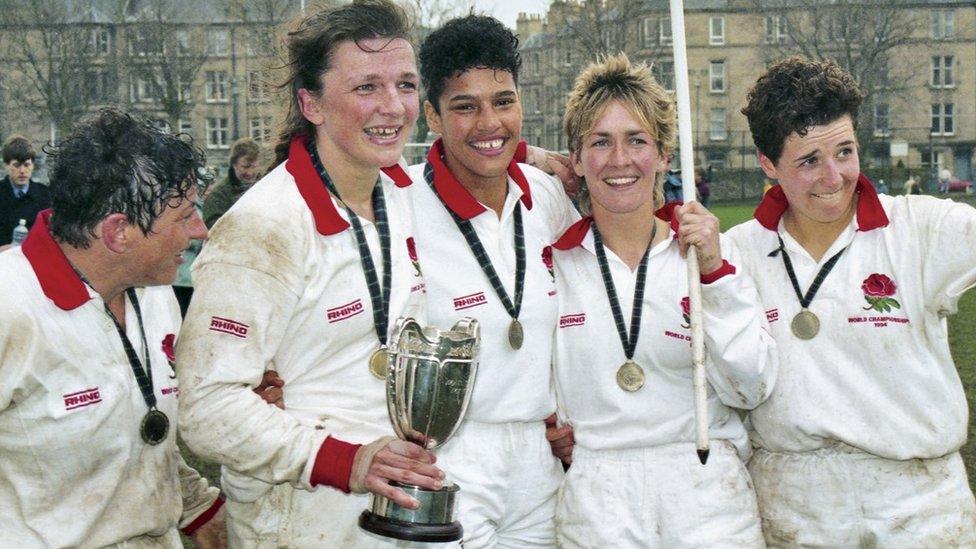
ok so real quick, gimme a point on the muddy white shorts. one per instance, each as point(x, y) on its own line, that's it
point(842, 497)
point(658, 497)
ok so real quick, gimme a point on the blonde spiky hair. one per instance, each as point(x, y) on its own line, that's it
point(614, 78)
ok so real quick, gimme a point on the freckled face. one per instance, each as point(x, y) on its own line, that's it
point(818, 171)
point(620, 161)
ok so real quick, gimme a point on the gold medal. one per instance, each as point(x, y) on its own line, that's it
point(379, 363)
point(515, 334)
point(630, 377)
point(805, 324)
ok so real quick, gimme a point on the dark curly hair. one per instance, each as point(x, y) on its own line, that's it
point(794, 95)
point(111, 163)
point(473, 41)
point(311, 45)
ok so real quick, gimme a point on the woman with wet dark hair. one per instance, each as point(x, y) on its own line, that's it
point(304, 275)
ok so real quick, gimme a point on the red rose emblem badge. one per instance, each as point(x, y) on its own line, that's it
point(168, 343)
point(412, 252)
point(686, 311)
point(878, 289)
point(547, 261)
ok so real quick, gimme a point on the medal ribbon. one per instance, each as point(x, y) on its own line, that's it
point(467, 230)
point(629, 342)
point(379, 296)
point(143, 377)
point(824, 271)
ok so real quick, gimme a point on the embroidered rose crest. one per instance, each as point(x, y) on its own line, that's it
point(686, 311)
point(878, 289)
point(412, 252)
point(547, 261)
point(168, 343)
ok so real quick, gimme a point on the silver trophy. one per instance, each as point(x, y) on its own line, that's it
point(429, 380)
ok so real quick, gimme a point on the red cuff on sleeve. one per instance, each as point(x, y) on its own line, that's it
point(205, 517)
point(333, 464)
point(521, 152)
point(726, 269)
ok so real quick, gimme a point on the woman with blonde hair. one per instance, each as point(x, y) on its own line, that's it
point(623, 363)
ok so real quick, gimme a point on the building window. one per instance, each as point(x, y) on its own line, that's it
point(569, 57)
point(941, 76)
point(664, 31)
point(716, 31)
point(775, 29)
point(182, 37)
point(716, 125)
point(186, 126)
point(718, 159)
point(943, 24)
point(140, 90)
point(218, 41)
point(100, 41)
point(882, 126)
point(217, 133)
point(716, 76)
point(216, 86)
point(942, 123)
point(98, 87)
point(261, 128)
point(664, 73)
point(648, 31)
point(535, 63)
point(144, 43)
point(259, 89)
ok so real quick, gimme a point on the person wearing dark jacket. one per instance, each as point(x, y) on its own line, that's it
point(20, 196)
point(243, 173)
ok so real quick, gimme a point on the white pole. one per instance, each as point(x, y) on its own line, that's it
point(688, 191)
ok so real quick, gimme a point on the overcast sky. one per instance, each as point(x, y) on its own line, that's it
point(507, 10)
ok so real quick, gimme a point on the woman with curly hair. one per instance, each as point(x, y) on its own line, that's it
point(623, 365)
point(859, 442)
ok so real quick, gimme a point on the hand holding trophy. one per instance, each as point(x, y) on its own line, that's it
point(429, 381)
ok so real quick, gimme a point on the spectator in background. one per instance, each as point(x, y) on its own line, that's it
point(912, 186)
point(944, 177)
point(243, 173)
point(672, 184)
point(882, 187)
point(183, 286)
point(20, 197)
point(701, 185)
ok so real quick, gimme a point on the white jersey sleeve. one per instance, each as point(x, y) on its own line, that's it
point(741, 356)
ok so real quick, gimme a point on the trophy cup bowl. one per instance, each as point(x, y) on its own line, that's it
point(429, 380)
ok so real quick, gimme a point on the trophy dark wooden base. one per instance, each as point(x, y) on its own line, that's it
point(431, 523)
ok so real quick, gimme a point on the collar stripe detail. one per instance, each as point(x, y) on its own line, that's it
point(870, 214)
point(327, 219)
point(456, 197)
point(574, 235)
point(58, 280)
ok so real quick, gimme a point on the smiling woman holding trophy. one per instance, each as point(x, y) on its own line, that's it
point(623, 366)
point(303, 275)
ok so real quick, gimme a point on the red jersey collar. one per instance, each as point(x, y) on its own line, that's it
point(574, 235)
point(456, 197)
point(58, 280)
point(870, 215)
point(327, 218)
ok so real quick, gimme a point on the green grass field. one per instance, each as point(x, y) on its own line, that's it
point(962, 330)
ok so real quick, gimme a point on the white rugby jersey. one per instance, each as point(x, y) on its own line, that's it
point(879, 375)
point(511, 385)
point(741, 360)
point(75, 471)
point(279, 285)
